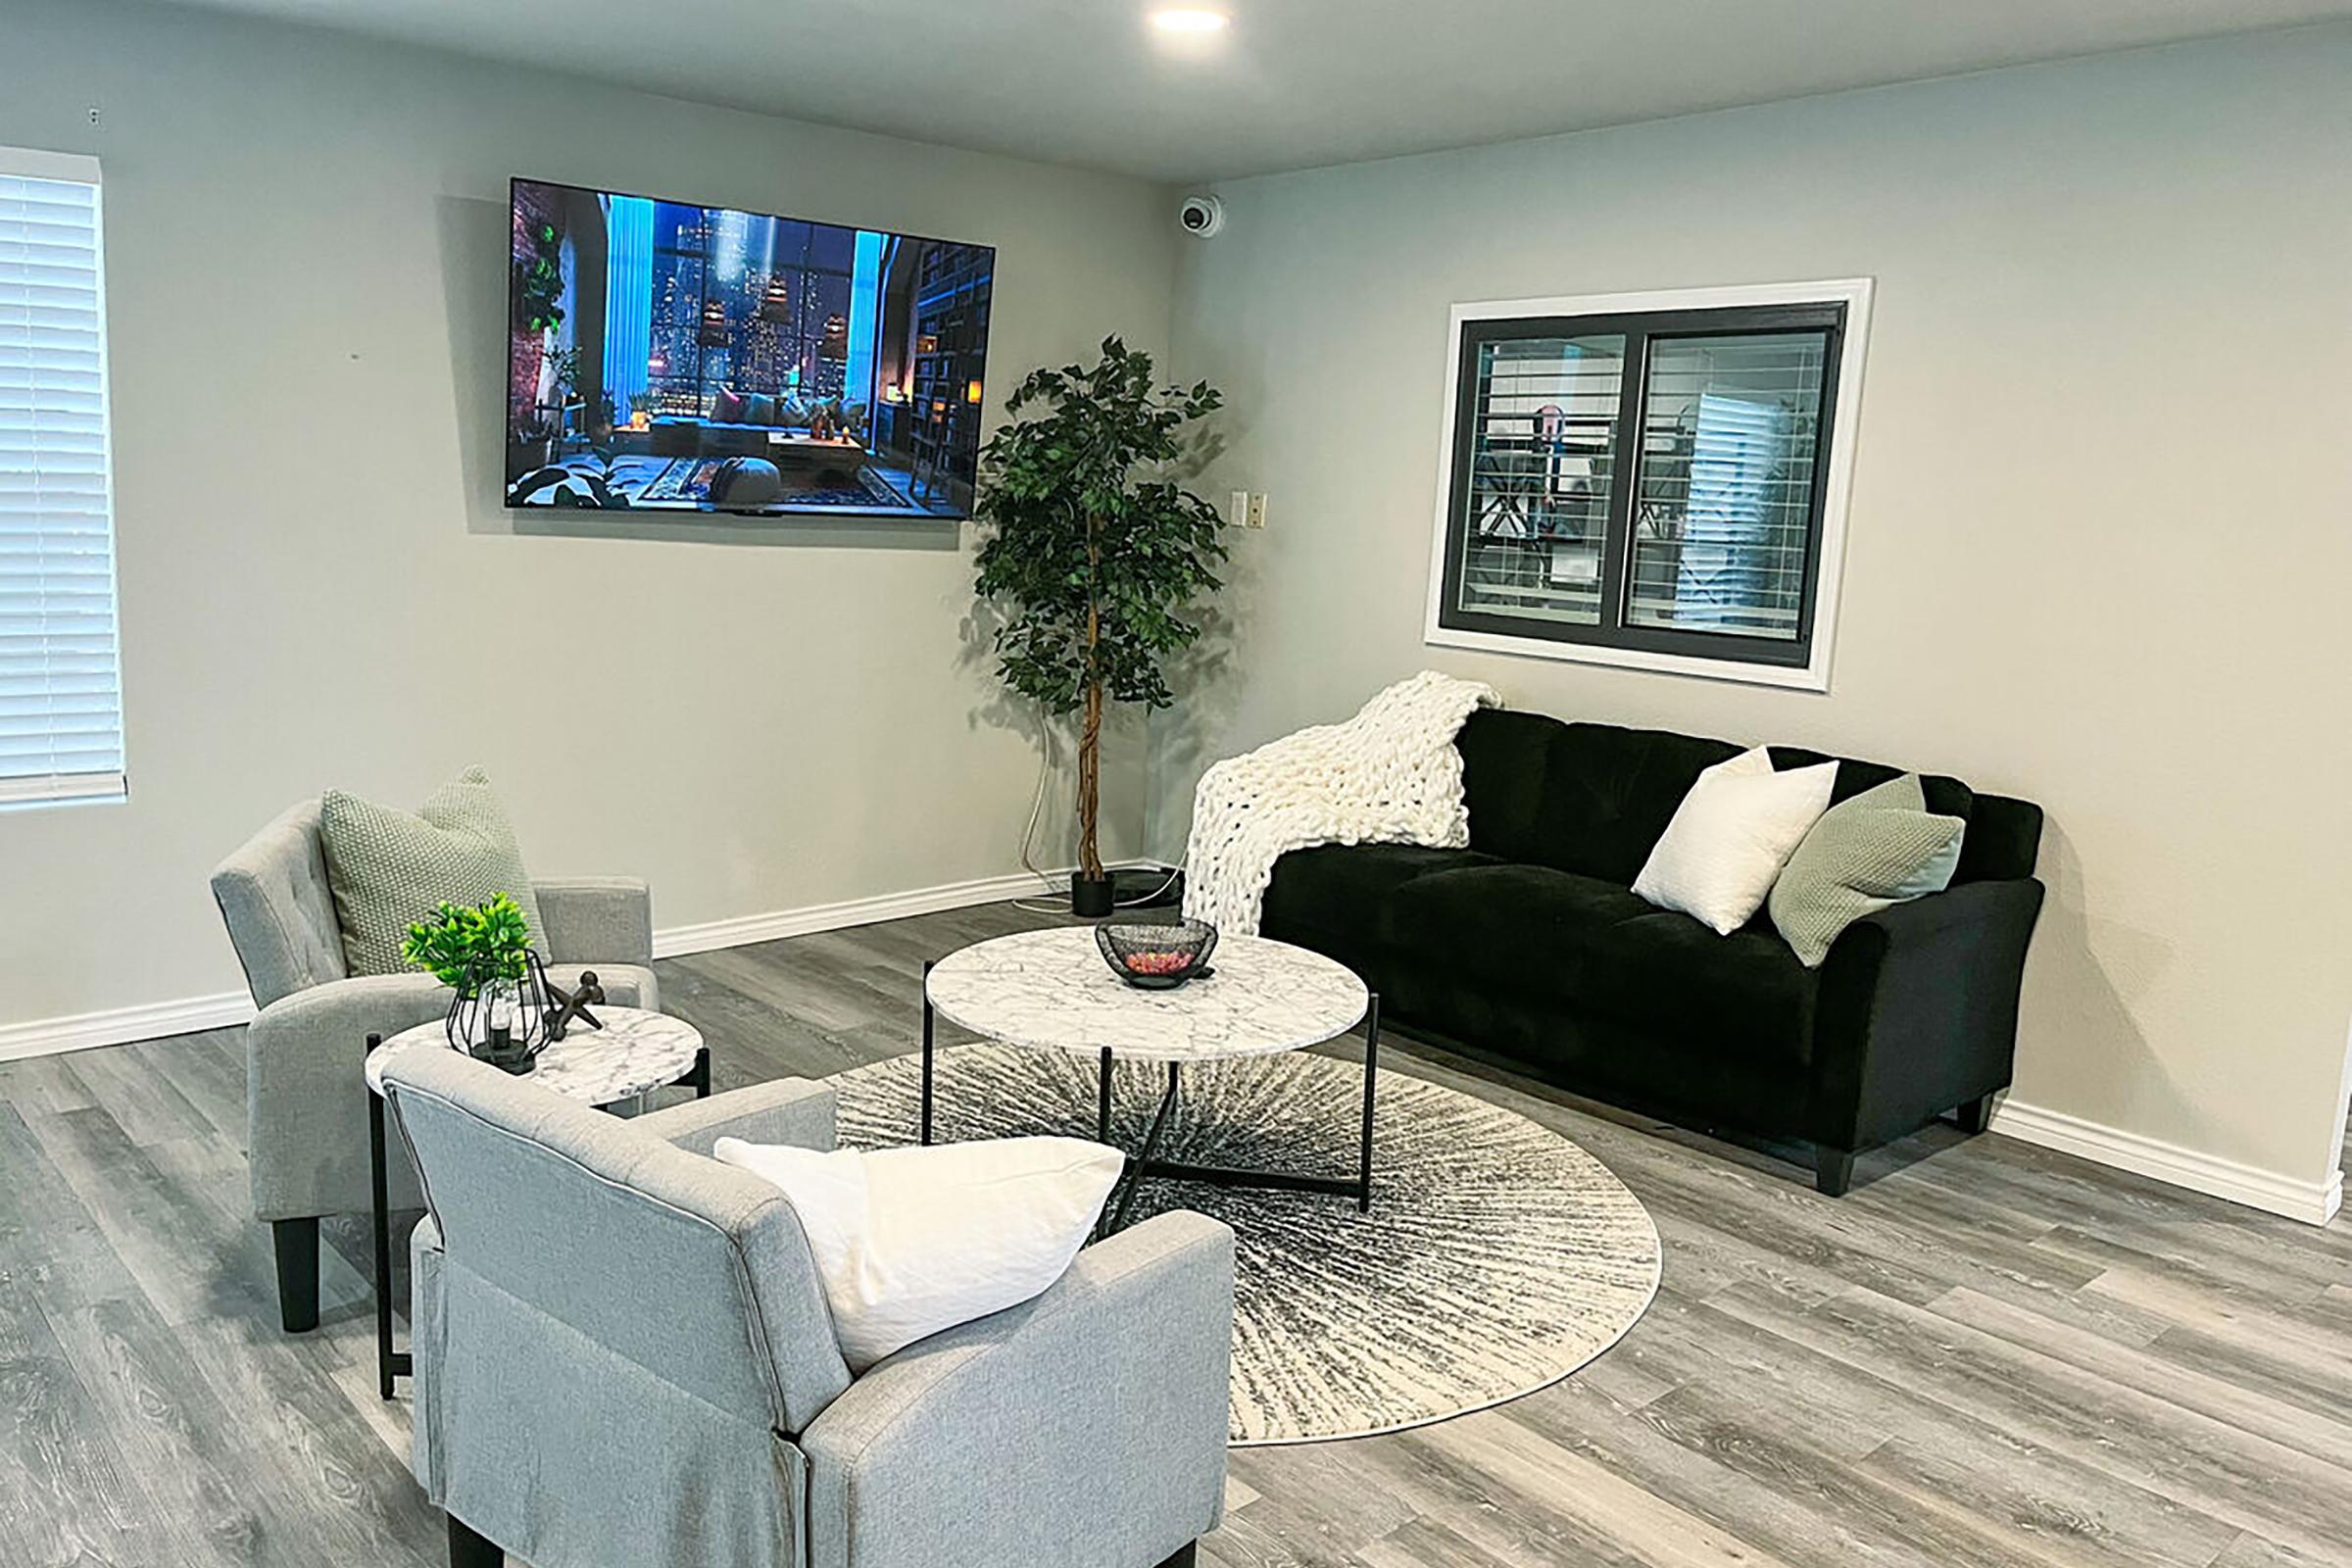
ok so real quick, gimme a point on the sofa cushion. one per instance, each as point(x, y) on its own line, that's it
point(1878, 848)
point(1593, 799)
point(1332, 898)
point(1504, 757)
point(1730, 836)
point(911, 1242)
point(2004, 839)
point(1665, 972)
point(1945, 797)
point(388, 867)
point(1521, 927)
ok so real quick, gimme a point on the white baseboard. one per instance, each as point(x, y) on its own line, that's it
point(743, 929)
point(155, 1021)
point(117, 1026)
point(2313, 1203)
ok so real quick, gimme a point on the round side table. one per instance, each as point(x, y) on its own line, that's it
point(633, 1055)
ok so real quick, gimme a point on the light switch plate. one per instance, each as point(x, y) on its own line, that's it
point(1257, 510)
point(1239, 515)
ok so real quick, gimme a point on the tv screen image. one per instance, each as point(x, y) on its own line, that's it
point(664, 356)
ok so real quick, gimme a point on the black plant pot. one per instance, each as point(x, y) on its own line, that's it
point(1091, 897)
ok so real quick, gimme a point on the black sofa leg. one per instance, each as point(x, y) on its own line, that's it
point(1833, 1170)
point(1975, 1115)
point(297, 1244)
point(470, 1550)
point(1183, 1558)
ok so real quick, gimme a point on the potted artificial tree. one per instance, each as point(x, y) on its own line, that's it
point(1094, 555)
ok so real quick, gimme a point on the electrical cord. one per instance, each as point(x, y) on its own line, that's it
point(1174, 871)
point(1037, 809)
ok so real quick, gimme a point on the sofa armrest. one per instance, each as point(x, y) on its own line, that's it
point(1085, 1427)
point(427, 1317)
point(1918, 1009)
point(596, 919)
point(305, 1100)
point(787, 1110)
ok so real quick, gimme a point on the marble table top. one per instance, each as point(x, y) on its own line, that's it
point(1052, 990)
point(634, 1052)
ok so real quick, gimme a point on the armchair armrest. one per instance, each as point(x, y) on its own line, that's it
point(306, 1104)
point(1085, 1428)
point(788, 1111)
point(1918, 1009)
point(596, 919)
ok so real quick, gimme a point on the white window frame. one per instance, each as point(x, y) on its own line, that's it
point(1845, 422)
point(89, 789)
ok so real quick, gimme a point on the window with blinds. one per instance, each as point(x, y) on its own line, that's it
point(1650, 483)
point(61, 705)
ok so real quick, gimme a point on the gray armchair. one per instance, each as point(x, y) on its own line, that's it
point(305, 1103)
point(624, 1359)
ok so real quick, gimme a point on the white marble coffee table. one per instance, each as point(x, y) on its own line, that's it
point(634, 1053)
point(1052, 990)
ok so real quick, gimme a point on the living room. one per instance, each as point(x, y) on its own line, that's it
point(1817, 402)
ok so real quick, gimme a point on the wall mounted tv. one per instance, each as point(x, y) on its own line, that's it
point(668, 357)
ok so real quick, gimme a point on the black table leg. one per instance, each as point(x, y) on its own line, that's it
point(1357, 1185)
point(1363, 1201)
point(698, 1076)
point(925, 1131)
point(1103, 1101)
point(377, 1188)
point(389, 1364)
point(1134, 1179)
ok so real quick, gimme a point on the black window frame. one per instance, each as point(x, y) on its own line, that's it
point(1641, 328)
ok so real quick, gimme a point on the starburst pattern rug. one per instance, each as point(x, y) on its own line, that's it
point(1499, 1256)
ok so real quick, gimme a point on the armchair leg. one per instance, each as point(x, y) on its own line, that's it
point(1974, 1116)
point(297, 1244)
point(1183, 1557)
point(470, 1550)
point(1833, 1170)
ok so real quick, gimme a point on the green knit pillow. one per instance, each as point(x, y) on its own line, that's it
point(1881, 847)
point(388, 867)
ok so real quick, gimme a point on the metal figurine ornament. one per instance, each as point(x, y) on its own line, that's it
point(573, 1006)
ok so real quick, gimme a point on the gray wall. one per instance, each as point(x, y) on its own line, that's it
point(306, 242)
point(2099, 537)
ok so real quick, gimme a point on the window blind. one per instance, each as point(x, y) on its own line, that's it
point(61, 705)
point(1725, 491)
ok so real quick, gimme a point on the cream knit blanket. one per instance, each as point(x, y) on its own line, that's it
point(1388, 775)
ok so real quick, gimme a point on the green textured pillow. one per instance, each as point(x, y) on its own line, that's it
point(388, 867)
point(1881, 847)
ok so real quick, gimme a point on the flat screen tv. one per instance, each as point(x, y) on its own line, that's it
point(668, 357)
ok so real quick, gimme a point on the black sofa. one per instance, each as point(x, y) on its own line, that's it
point(1530, 947)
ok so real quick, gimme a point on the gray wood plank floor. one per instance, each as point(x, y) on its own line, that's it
point(1987, 1354)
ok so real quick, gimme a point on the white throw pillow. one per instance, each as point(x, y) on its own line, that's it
point(1730, 836)
point(912, 1241)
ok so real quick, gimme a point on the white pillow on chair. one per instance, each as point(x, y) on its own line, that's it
point(912, 1241)
point(1730, 836)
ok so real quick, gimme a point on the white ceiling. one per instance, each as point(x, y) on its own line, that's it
point(1292, 83)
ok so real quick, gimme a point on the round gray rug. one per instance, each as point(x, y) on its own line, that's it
point(1499, 1256)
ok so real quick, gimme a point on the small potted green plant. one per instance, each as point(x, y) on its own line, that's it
point(483, 953)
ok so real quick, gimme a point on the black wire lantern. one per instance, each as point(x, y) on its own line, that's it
point(500, 1020)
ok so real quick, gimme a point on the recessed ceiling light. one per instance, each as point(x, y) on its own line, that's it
point(1185, 18)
